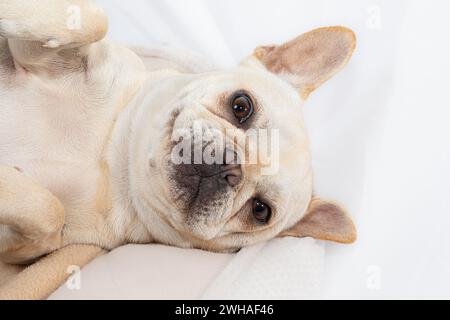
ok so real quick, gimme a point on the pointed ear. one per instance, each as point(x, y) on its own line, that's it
point(311, 59)
point(324, 221)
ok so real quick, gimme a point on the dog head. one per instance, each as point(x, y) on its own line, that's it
point(223, 157)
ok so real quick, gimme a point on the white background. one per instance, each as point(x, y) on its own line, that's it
point(380, 130)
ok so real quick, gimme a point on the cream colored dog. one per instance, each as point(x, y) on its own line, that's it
point(87, 137)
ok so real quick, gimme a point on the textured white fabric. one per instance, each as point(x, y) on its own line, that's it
point(280, 269)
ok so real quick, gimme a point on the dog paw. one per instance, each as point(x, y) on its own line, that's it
point(10, 29)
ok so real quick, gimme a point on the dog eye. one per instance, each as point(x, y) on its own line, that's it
point(261, 211)
point(242, 107)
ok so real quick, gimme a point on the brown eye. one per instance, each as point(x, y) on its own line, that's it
point(242, 107)
point(261, 212)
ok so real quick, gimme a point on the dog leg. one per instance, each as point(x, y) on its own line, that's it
point(31, 218)
point(44, 35)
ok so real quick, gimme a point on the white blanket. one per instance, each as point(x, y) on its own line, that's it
point(379, 133)
point(280, 269)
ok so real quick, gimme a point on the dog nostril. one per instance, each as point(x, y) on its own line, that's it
point(233, 175)
point(233, 180)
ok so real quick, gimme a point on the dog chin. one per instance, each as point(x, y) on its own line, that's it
point(202, 232)
point(202, 206)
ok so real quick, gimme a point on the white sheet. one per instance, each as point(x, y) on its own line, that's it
point(379, 130)
point(279, 269)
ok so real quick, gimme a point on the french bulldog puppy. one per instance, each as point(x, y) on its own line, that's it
point(88, 131)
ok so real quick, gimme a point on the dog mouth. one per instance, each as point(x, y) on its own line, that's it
point(202, 190)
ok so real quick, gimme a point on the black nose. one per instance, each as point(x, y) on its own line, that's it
point(218, 176)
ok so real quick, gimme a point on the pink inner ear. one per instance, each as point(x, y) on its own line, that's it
point(328, 221)
point(325, 221)
point(328, 217)
point(312, 58)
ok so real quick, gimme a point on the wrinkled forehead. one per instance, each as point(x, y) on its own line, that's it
point(278, 104)
point(271, 93)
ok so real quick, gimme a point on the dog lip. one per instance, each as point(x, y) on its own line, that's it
point(231, 169)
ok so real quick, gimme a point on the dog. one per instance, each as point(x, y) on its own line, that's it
point(88, 130)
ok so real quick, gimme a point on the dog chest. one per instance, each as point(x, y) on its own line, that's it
point(57, 137)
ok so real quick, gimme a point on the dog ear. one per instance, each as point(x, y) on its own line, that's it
point(324, 221)
point(311, 59)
